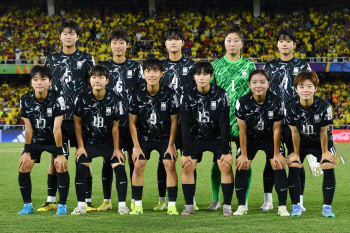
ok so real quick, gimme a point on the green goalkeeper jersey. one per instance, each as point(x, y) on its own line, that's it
point(232, 76)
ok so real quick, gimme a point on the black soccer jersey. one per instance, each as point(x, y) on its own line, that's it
point(259, 118)
point(282, 74)
point(124, 79)
point(70, 74)
point(309, 121)
point(153, 113)
point(42, 115)
point(98, 116)
point(205, 115)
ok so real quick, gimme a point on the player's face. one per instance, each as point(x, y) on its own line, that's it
point(174, 45)
point(202, 79)
point(98, 82)
point(118, 47)
point(285, 46)
point(306, 90)
point(152, 76)
point(259, 84)
point(233, 43)
point(68, 37)
point(40, 84)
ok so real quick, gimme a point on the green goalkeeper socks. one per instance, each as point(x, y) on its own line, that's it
point(215, 181)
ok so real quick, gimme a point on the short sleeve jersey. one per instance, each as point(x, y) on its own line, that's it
point(98, 116)
point(259, 119)
point(153, 113)
point(42, 115)
point(124, 79)
point(233, 78)
point(205, 111)
point(70, 74)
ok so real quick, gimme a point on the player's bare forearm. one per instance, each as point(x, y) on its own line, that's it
point(78, 131)
point(242, 136)
point(57, 131)
point(115, 134)
point(173, 129)
point(295, 139)
point(324, 139)
point(133, 130)
point(28, 132)
point(277, 136)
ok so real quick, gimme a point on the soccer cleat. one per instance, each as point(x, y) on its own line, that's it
point(215, 205)
point(282, 211)
point(132, 206)
point(79, 210)
point(161, 206)
point(195, 206)
point(302, 208)
point(123, 210)
point(48, 206)
point(327, 212)
point(242, 209)
point(61, 210)
point(188, 210)
point(106, 205)
point(296, 211)
point(172, 210)
point(27, 209)
point(90, 207)
point(227, 210)
point(138, 210)
point(266, 206)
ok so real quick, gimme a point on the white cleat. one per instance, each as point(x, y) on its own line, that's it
point(242, 209)
point(282, 211)
point(215, 205)
point(266, 206)
point(79, 211)
point(123, 210)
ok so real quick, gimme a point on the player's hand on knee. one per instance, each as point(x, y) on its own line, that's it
point(80, 151)
point(118, 154)
point(61, 163)
point(328, 156)
point(137, 153)
point(278, 161)
point(226, 159)
point(185, 159)
point(25, 158)
point(293, 158)
point(173, 153)
point(241, 162)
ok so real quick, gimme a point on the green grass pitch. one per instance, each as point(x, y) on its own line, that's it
point(151, 221)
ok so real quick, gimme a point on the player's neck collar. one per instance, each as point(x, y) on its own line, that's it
point(175, 61)
point(233, 62)
point(121, 63)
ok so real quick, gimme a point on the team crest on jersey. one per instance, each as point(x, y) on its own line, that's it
point(185, 71)
point(163, 106)
point(295, 71)
point(317, 118)
point(49, 112)
point(108, 111)
point(213, 105)
point(244, 74)
point(129, 74)
point(270, 114)
point(79, 64)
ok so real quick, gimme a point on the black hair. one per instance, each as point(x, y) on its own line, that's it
point(118, 34)
point(99, 71)
point(254, 72)
point(235, 28)
point(286, 33)
point(174, 33)
point(152, 64)
point(202, 67)
point(72, 25)
point(42, 70)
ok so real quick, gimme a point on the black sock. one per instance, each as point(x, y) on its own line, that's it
point(188, 190)
point(302, 180)
point(80, 182)
point(63, 187)
point(131, 166)
point(268, 177)
point(137, 192)
point(25, 185)
point(172, 193)
point(107, 179)
point(241, 186)
point(51, 185)
point(328, 186)
point(161, 176)
point(121, 182)
point(227, 192)
point(88, 187)
point(281, 186)
point(294, 185)
point(195, 181)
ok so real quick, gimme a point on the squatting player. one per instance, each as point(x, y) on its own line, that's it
point(231, 73)
point(70, 72)
point(308, 116)
point(153, 124)
point(205, 127)
point(96, 116)
point(42, 110)
point(259, 115)
point(282, 72)
point(125, 76)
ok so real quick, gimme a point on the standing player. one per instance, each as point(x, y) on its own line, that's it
point(259, 115)
point(153, 124)
point(176, 75)
point(125, 76)
point(205, 121)
point(231, 73)
point(308, 117)
point(43, 111)
point(70, 72)
point(282, 72)
point(96, 117)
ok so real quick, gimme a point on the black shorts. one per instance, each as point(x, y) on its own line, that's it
point(253, 148)
point(125, 139)
point(68, 134)
point(286, 138)
point(178, 138)
point(200, 146)
point(315, 151)
point(36, 150)
point(148, 147)
point(94, 151)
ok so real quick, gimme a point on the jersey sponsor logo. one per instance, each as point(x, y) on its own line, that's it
point(49, 112)
point(244, 74)
point(163, 106)
point(108, 111)
point(329, 113)
point(270, 114)
point(213, 105)
point(221, 73)
point(121, 109)
point(185, 71)
point(317, 118)
point(296, 70)
point(80, 64)
point(129, 74)
point(62, 103)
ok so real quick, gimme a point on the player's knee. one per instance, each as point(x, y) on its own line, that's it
point(225, 167)
point(327, 165)
point(60, 168)
point(169, 166)
point(188, 168)
point(25, 168)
